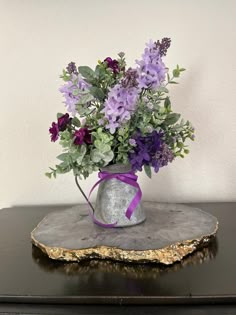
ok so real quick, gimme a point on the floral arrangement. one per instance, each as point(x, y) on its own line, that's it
point(120, 115)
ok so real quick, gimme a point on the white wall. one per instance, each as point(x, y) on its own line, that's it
point(39, 37)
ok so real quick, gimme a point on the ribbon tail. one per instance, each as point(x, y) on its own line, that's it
point(135, 201)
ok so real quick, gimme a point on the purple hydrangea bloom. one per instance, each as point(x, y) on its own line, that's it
point(72, 92)
point(54, 131)
point(151, 68)
point(150, 150)
point(119, 106)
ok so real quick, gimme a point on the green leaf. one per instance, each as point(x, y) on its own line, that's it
point(148, 171)
point(171, 119)
point(63, 157)
point(97, 70)
point(163, 89)
point(75, 92)
point(97, 92)
point(76, 122)
point(81, 154)
point(87, 73)
point(86, 98)
point(63, 168)
point(96, 156)
point(65, 76)
point(167, 103)
point(59, 115)
point(176, 73)
point(49, 175)
point(108, 157)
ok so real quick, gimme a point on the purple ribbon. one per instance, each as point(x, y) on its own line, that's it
point(129, 178)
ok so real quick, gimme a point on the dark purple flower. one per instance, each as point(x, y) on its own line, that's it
point(130, 79)
point(112, 64)
point(150, 150)
point(71, 68)
point(163, 45)
point(83, 135)
point(63, 121)
point(54, 131)
point(162, 157)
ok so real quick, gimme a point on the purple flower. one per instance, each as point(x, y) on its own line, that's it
point(150, 150)
point(112, 64)
point(72, 92)
point(54, 131)
point(163, 45)
point(119, 106)
point(130, 79)
point(71, 68)
point(151, 68)
point(63, 121)
point(132, 142)
point(83, 135)
point(101, 122)
point(162, 157)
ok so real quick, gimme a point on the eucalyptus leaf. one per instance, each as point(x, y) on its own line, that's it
point(108, 157)
point(171, 119)
point(63, 157)
point(86, 98)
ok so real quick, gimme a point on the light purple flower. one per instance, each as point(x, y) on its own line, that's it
point(132, 142)
point(119, 106)
point(101, 122)
point(151, 68)
point(72, 92)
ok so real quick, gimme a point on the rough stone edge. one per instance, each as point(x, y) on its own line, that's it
point(166, 255)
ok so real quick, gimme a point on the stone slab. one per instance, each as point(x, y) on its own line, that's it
point(170, 232)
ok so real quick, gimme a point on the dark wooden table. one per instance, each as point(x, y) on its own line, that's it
point(31, 283)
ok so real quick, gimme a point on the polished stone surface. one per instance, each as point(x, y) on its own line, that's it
point(170, 232)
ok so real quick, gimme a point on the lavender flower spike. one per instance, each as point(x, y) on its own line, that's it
point(119, 106)
point(151, 68)
point(72, 92)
